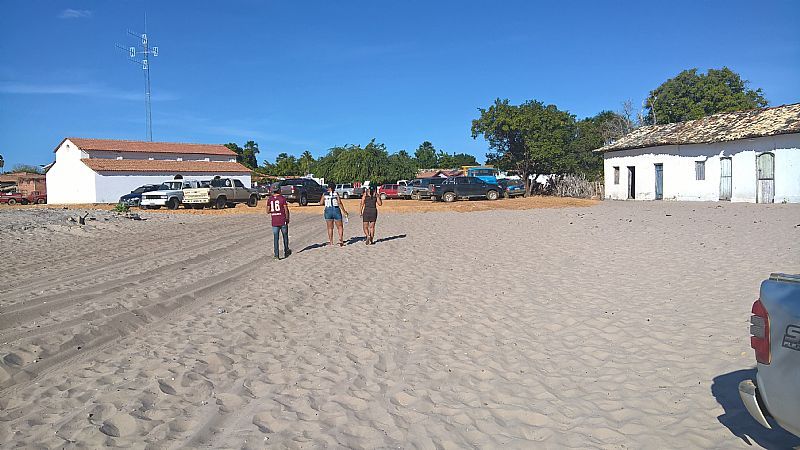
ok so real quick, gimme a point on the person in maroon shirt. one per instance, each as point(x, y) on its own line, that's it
point(279, 212)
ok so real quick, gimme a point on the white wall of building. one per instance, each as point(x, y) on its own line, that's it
point(103, 154)
point(70, 181)
point(679, 170)
point(113, 185)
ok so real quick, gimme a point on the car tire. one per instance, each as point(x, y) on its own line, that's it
point(449, 197)
point(491, 195)
point(173, 203)
point(303, 200)
point(41, 201)
point(383, 196)
point(252, 201)
point(345, 195)
point(221, 202)
point(11, 201)
point(24, 201)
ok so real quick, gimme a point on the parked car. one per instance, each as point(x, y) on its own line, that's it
point(301, 190)
point(405, 190)
point(135, 196)
point(220, 193)
point(169, 194)
point(13, 198)
point(775, 337)
point(464, 187)
point(423, 190)
point(345, 190)
point(389, 191)
point(263, 190)
point(511, 188)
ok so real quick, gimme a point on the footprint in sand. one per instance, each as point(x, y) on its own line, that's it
point(118, 426)
point(166, 388)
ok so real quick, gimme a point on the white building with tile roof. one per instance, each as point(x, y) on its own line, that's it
point(102, 170)
point(745, 156)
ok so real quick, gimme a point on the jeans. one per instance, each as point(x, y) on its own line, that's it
point(276, 231)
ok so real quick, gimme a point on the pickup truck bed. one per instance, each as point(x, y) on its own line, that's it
point(775, 330)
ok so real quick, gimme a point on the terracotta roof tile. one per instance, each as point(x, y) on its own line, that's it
point(145, 165)
point(149, 147)
point(715, 128)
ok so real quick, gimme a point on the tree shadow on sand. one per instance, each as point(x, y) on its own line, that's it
point(725, 388)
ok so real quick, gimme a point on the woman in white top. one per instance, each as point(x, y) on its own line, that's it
point(333, 213)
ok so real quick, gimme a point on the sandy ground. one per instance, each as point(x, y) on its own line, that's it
point(623, 324)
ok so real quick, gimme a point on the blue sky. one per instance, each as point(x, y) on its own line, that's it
point(312, 75)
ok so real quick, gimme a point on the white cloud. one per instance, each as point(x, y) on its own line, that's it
point(75, 14)
point(89, 90)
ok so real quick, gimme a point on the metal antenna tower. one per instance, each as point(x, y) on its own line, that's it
point(144, 53)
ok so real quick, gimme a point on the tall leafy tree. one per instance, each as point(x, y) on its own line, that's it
point(249, 152)
point(691, 96)
point(286, 165)
point(533, 138)
point(454, 161)
point(401, 166)
point(425, 156)
point(306, 161)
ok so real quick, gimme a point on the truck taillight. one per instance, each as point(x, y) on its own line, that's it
point(759, 331)
point(292, 189)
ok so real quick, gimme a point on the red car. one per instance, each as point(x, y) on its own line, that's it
point(389, 191)
point(13, 198)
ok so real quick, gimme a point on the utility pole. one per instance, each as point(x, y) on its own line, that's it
point(145, 51)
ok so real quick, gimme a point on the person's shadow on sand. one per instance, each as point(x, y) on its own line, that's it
point(390, 238)
point(725, 388)
point(313, 246)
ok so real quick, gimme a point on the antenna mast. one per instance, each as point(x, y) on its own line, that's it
point(145, 53)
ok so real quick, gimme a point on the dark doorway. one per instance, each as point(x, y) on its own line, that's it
point(631, 182)
point(659, 181)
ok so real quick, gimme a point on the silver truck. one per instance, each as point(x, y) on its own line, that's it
point(219, 193)
point(775, 337)
point(345, 190)
point(169, 194)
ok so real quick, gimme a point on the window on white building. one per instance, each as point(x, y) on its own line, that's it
point(616, 175)
point(700, 170)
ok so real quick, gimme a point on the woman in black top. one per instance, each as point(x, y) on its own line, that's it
point(369, 212)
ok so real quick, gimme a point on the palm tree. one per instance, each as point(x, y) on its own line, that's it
point(306, 160)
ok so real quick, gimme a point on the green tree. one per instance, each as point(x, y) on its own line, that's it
point(532, 138)
point(425, 156)
point(306, 161)
point(691, 96)
point(26, 168)
point(286, 165)
point(249, 153)
point(401, 166)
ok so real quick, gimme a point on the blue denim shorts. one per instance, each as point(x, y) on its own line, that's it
point(333, 213)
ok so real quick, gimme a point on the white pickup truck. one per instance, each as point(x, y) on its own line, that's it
point(219, 193)
point(169, 194)
point(775, 337)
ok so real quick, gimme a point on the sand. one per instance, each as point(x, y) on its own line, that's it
point(623, 324)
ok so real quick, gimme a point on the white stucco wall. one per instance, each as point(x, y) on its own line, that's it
point(159, 156)
point(113, 185)
point(69, 181)
point(679, 170)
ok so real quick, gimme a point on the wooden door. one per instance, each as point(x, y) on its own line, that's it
point(659, 181)
point(725, 179)
point(631, 182)
point(765, 167)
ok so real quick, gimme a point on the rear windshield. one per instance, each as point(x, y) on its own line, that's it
point(295, 182)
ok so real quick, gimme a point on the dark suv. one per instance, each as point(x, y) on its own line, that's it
point(301, 190)
point(423, 189)
point(464, 187)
